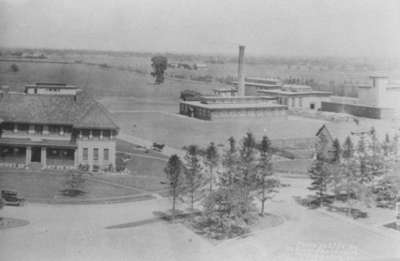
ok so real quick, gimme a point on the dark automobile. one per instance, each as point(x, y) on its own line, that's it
point(158, 147)
point(189, 95)
point(11, 198)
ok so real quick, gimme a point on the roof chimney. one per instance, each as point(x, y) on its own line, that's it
point(241, 84)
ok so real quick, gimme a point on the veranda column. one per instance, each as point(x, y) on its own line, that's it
point(90, 158)
point(43, 157)
point(76, 158)
point(28, 154)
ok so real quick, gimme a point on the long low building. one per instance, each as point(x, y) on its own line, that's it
point(298, 96)
point(56, 129)
point(216, 108)
point(255, 84)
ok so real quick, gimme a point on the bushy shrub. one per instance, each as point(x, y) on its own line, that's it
point(83, 167)
point(387, 192)
point(14, 68)
point(204, 78)
point(74, 184)
point(120, 164)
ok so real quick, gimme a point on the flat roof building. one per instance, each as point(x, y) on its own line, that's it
point(51, 88)
point(255, 84)
point(298, 96)
point(216, 108)
point(377, 99)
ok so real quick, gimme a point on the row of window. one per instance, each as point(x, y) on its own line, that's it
point(96, 133)
point(285, 101)
point(106, 154)
point(55, 129)
point(38, 128)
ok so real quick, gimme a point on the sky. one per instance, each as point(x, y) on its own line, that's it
point(367, 28)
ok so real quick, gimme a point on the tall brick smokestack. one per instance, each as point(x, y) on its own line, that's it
point(241, 86)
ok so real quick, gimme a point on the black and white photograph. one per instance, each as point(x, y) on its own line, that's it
point(188, 130)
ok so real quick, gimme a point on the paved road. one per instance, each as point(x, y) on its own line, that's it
point(167, 150)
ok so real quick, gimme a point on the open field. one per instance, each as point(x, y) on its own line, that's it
point(98, 81)
point(130, 75)
point(150, 111)
point(177, 131)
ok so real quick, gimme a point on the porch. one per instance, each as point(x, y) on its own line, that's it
point(47, 157)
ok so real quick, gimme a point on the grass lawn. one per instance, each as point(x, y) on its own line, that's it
point(297, 166)
point(124, 146)
point(177, 130)
point(47, 186)
point(145, 174)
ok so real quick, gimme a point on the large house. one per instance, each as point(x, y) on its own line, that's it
point(55, 126)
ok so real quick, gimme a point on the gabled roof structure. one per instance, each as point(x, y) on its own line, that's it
point(78, 110)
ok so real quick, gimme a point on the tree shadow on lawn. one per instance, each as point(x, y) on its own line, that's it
point(214, 235)
point(311, 202)
point(6, 222)
point(393, 225)
point(72, 193)
point(180, 216)
point(188, 219)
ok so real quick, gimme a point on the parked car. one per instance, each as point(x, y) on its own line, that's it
point(158, 147)
point(11, 198)
point(189, 95)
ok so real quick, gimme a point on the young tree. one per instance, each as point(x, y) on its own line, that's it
point(351, 179)
point(74, 184)
point(173, 170)
point(319, 178)
point(337, 151)
point(333, 166)
point(377, 163)
point(159, 64)
point(247, 167)
point(193, 175)
point(319, 172)
point(230, 164)
point(1, 206)
point(228, 210)
point(395, 146)
point(348, 148)
point(350, 182)
point(266, 185)
point(363, 160)
point(211, 160)
point(388, 154)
